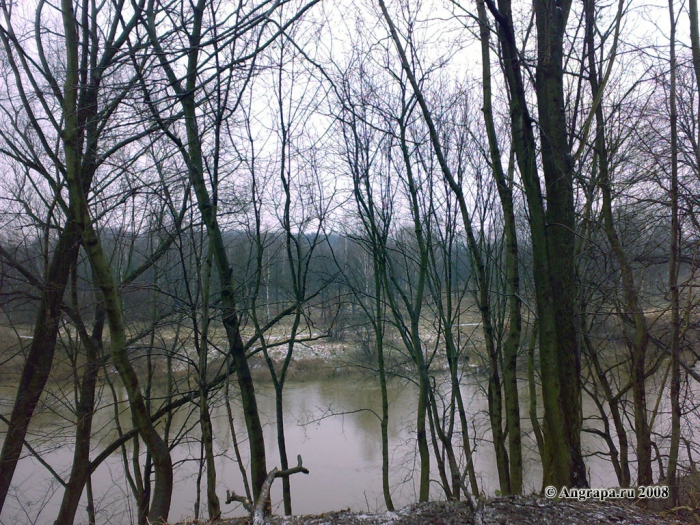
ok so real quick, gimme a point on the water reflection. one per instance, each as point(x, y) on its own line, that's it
point(332, 423)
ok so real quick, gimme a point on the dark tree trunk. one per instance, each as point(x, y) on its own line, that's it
point(41, 352)
point(551, 231)
point(71, 138)
point(80, 471)
point(557, 163)
point(195, 164)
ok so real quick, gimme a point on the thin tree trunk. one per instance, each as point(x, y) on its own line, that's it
point(213, 505)
point(198, 482)
point(234, 441)
point(90, 502)
point(80, 470)
point(421, 435)
point(195, 166)
point(416, 345)
point(466, 443)
point(103, 276)
point(532, 386)
point(379, 336)
point(505, 194)
point(673, 269)
point(638, 343)
point(377, 243)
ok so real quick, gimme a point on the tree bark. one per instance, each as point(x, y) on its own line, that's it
point(416, 344)
point(195, 168)
point(673, 270)
point(213, 505)
point(80, 470)
point(553, 270)
point(505, 194)
point(381, 365)
point(551, 17)
point(103, 276)
point(41, 352)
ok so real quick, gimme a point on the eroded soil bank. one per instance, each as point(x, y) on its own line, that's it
point(513, 510)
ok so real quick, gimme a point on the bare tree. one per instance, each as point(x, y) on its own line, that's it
point(80, 160)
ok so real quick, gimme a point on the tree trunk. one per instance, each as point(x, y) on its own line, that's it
point(551, 17)
point(379, 336)
point(471, 472)
point(673, 269)
point(421, 434)
point(195, 168)
point(80, 470)
point(213, 505)
point(41, 352)
point(532, 390)
point(562, 463)
point(103, 276)
point(505, 194)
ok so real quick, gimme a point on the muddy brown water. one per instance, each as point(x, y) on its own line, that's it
point(332, 423)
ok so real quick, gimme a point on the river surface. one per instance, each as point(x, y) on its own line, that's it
point(332, 423)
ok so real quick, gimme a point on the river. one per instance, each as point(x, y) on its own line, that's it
point(331, 423)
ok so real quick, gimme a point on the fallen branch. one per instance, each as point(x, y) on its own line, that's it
point(476, 504)
point(232, 496)
point(257, 510)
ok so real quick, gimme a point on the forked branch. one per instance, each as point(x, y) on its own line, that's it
point(257, 510)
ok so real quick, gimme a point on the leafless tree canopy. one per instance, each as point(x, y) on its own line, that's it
point(498, 194)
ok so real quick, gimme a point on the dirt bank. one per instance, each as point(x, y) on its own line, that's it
point(514, 510)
